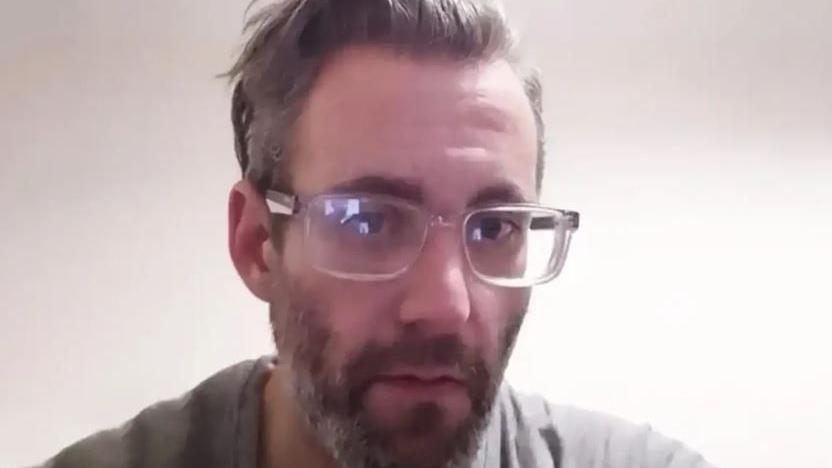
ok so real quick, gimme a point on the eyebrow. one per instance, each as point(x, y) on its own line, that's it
point(382, 185)
point(505, 192)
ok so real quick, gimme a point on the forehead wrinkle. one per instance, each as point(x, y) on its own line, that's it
point(455, 113)
point(402, 83)
point(488, 117)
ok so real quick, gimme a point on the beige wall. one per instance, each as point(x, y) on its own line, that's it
point(694, 136)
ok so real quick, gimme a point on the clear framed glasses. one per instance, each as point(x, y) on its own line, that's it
point(371, 237)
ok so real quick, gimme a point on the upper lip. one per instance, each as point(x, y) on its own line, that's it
point(426, 374)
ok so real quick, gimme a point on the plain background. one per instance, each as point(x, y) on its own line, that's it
point(695, 137)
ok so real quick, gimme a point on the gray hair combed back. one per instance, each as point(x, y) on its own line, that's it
point(290, 39)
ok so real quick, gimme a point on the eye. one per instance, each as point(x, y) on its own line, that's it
point(492, 228)
point(366, 223)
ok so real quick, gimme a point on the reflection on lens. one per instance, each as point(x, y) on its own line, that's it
point(363, 235)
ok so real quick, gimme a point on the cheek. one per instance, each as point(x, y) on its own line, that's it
point(499, 311)
point(359, 314)
point(291, 250)
point(353, 313)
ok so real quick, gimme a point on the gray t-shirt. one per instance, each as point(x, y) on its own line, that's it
point(217, 424)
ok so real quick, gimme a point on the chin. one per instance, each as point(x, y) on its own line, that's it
point(425, 435)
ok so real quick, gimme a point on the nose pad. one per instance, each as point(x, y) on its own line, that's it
point(440, 221)
point(455, 245)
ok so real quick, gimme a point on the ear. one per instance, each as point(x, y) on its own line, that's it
point(248, 238)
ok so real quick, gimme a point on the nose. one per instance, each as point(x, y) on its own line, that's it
point(437, 299)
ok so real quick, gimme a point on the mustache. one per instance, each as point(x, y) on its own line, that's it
point(412, 350)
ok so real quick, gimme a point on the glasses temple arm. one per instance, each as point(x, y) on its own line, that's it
point(282, 203)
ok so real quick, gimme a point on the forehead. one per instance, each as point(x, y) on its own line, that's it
point(451, 128)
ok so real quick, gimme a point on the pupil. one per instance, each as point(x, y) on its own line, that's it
point(369, 223)
point(490, 228)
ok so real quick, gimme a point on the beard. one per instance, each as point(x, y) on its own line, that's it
point(332, 400)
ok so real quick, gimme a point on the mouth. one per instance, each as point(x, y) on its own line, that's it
point(421, 382)
point(393, 397)
point(416, 380)
point(427, 375)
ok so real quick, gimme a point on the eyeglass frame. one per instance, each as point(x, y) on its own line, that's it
point(290, 205)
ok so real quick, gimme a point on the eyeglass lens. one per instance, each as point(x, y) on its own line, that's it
point(383, 236)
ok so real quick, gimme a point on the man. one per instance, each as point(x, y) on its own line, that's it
point(392, 158)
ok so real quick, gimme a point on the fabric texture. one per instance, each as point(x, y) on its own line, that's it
point(217, 425)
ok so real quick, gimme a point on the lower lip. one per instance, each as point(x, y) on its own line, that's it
point(417, 388)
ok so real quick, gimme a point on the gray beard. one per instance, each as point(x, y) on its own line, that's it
point(332, 404)
point(354, 445)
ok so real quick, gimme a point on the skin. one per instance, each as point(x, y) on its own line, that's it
point(447, 134)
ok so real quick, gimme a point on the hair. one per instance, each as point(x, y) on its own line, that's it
point(289, 40)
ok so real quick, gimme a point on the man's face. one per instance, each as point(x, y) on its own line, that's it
point(405, 368)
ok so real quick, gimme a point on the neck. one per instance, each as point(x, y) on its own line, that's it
point(286, 439)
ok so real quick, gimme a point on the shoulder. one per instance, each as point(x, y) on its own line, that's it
point(575, 438)
point(160, 435)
